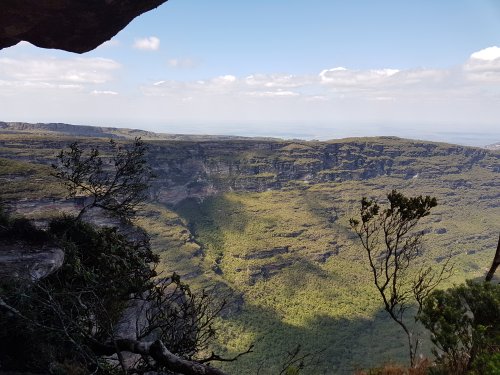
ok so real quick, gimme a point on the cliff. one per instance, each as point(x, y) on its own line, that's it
point(188, 169)
point(204, 166)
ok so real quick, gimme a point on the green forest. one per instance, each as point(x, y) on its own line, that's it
point(283, 275)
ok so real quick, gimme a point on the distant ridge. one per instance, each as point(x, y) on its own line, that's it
point(107, 132)
point(69, 130)
point(494, 146)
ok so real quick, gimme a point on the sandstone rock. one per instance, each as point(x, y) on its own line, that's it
point(267, 253)
point(28, 262)
point(267, 271)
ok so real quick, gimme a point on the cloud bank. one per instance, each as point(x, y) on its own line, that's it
point(465, 97)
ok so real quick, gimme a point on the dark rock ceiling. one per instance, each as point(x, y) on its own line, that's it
point(72, 25)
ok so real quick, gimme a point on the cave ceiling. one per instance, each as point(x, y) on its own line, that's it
point(71, 25)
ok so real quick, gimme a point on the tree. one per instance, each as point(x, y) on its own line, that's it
point(68, 321)
point(393, 247)
point(465, 325)
point(117, 183)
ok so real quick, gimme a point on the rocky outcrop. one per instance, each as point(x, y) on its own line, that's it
point(71, 25)
point(266, 271)
point(28, 263)
point(268, 253)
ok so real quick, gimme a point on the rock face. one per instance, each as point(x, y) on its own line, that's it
point(200, 169)
point(71, 25)
point(29, 263)
point(186, 168)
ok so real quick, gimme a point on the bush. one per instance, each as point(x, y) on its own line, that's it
point(465, 326)
point(61, 314)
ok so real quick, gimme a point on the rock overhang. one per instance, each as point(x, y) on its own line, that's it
point(72, 25)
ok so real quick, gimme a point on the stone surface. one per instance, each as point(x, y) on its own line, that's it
point(27, 262)
point(71, 25)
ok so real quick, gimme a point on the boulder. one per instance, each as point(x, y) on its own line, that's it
point(27, 262)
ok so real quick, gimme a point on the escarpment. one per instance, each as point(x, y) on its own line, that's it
point(202, 167)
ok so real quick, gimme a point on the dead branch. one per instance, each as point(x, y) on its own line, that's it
point(159, 352)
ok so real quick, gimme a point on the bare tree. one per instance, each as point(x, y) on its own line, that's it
point(116, 183)
point(393, 247)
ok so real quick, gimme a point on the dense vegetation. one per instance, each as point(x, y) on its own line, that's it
point(465, 326)
point(288, 255)
point(62, 315)
point(102, 310)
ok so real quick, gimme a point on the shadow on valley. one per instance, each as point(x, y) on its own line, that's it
point(336, 345)
point(339, 345)
point(205, 220)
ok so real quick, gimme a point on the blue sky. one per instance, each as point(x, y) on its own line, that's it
point(312, 69)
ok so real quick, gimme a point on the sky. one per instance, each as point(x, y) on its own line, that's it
point(316, 69)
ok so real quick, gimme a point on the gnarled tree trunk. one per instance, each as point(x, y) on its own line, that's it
point(496, 262)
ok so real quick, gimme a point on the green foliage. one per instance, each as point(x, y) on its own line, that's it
point(102, 259)
point(486, 363)
point(66, 321)
point(465, 325)
point(321, 302)
point(292, 370)
point(62, 314)
point(404, 211)
point(328, 303)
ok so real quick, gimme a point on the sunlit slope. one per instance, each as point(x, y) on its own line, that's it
point(267, 221)
point(303, 277)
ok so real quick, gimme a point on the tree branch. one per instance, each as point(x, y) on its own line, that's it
point(159, 352)
point(216, 357)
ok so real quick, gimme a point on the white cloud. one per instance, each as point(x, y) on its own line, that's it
point(343, 77)
point(421, 76)
point(151, 43)
point(468, 93)
point(384, 98)
point(103, 92)
point(273, 94)
point(38, 85)
point(224, 80)
point(282, 81)
point(487, 54)
point(316, 98)
point(221, 85)
point(257, 86)
point(460, 95)
point(483, 66)
point(60, 71)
